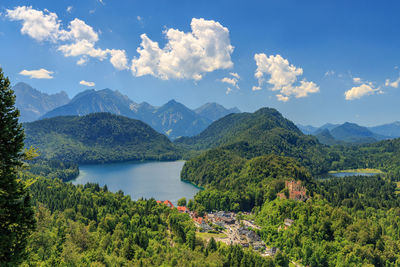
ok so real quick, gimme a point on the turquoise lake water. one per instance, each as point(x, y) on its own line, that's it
point(158, 180)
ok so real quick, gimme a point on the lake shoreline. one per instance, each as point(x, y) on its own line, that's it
point(146, 179)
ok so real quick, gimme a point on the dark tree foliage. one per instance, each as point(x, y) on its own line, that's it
point(233, 183)
point(16, 214)
point(89, 226)
point(65, 171)
point(383, 155)
point(98, 138)
point(266, 131)
point(359, 192)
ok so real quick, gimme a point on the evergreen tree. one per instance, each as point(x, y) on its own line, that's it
point(16, 213)
point(182, 201)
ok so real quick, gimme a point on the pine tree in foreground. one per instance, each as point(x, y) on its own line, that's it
point(16, 214)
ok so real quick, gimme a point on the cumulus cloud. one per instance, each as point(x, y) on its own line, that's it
point(78, 40)
point(232, 81)
point(90, 84)
point(360, 91)
point(394, 84)
point(38, 74)
point(357, 80)
point(69, 9)
point(118, 59)
point(283, 77)
point(37, 24)
point(186, 55)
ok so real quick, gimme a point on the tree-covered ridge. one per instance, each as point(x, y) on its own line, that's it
point(263, 132)
point(238, 127)
point(359, 192)
point(54, 169)
point(90, 226)
point(233, 183)
point(323, 235)
point(98, 137)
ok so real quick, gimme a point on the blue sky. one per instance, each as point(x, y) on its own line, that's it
point(315, 61)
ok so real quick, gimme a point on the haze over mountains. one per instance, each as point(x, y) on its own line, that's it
point(172, 119)
point(347, 132)
point(33, 103)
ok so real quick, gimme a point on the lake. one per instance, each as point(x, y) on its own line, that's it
point(344, 174)
point(158, 180)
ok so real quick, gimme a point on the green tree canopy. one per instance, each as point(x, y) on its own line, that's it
point(16, 214)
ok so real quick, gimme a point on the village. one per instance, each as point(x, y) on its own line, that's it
point(236, 228)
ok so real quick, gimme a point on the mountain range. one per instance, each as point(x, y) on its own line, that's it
point(32, 103)
point(172, 119)
point(351, 133)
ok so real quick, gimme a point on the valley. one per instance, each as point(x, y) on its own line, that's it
point(199, 133)
point(243, 163)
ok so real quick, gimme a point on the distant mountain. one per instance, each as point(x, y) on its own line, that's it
point(214, 111)
point(173, 119)
point(91, 101)
point(391, 130)
point(33, 103)
point(307, 129)
point(328, 126)
point(97, 137)
point(325, 137)
point(353, 133)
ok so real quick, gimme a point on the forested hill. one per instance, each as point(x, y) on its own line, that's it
point(98, 137)
point(240, 127)
point(265, 131)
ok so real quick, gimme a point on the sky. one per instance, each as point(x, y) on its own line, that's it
point(314, 61)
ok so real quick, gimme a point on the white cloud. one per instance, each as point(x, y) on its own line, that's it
point(231, 81)
point(82, 48)
point(394, 84)
point(282, 98)
point(357, 80)
point(38, 74)
point(37, 24)
point(360, 91)
point(118, 59)
point(283, 77)
point(82, 61)
point(80, 31)
point(139, 18)
point(256, 88)
point(90, 84)
point(79, 40)
point(186, 55)
point(69, 9)
point(234, 74)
